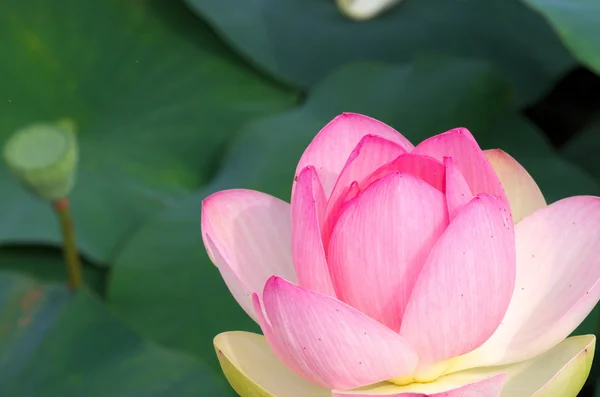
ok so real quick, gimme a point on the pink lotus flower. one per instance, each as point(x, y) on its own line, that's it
point(435, 270)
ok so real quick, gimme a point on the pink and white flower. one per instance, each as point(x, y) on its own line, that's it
point(401, 270)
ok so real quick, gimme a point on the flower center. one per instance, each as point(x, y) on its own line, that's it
point(424, 374)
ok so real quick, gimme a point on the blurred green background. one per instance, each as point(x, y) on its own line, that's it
point(176, 99)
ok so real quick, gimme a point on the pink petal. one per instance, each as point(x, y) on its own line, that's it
point(370, 153)
point(247, 235)
point(328, 342)
point(240, 291)
point(522, 192)
point(308, 210)
point(423, 167)
point(557, 284)
point(468, 157)
point(352, 192)
point(381, 242)
point(452, 386)
point(457, 189)
point(466, 284)
point(330, 149)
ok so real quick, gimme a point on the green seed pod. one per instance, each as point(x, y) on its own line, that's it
point(44, 157)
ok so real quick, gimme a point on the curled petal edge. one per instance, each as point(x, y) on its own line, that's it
point(253, 370)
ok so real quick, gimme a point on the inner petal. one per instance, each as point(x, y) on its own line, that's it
point(370, 153)
point(380, 243)
point(422, 167)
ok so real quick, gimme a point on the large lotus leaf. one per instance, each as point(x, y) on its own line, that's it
point(577, 23)
point(164, 270)
point(301, 41)
point(47, 264)
point(154, 94)
point(584, 149)
point(55, 343)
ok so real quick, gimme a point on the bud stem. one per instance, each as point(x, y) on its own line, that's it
point(61, 207)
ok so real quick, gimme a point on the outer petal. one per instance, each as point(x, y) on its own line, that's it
point(330, 149)
point(522, 192)
point(248, 237)
point(560, 372)
point(557, 284)
point(468, 279)
point(328, 342)
point(308, 211)
point(468, 157)
point(238, 288)
point(458, 192)
point(380, 244)
point(371, 153)
point(254, 371)
point(443, 387)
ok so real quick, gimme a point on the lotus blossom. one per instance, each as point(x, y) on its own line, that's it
point(401, 270)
